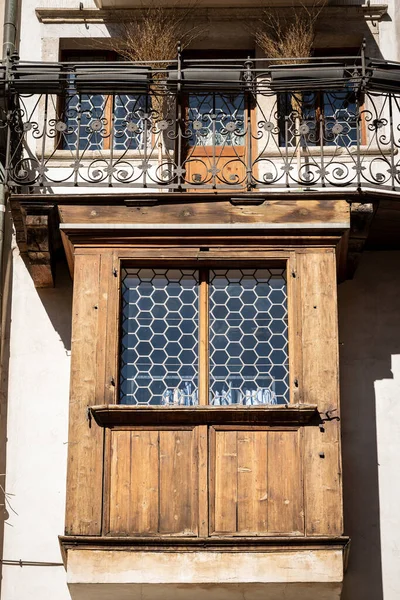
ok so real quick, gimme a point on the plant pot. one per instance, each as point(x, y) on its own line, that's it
point(111, 78)
point(385, 76)
point(202, 78)
point(307, 76)
point(44, 78)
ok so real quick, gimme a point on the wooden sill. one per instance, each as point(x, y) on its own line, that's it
point(117, 415)
point(220, 544)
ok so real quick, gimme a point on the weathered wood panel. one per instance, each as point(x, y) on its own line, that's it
point(154, 482)
point(252, 481)
point(134, 482)
point(85, 443)
point(257, 487)
point(220, 211)
point(178, 482)
point(230, 161)
point(322, 462)
point(225, 480)
point(285, 486)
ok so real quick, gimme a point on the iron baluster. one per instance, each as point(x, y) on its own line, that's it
point(358, 141)
point(112, 133)
point(321, 146)
point(214, 140)
point(392, 144)
point(42, 158)
point(179, 112)
point(78, 138)
point(248, 141)
point(248, 137)
point(286, 166)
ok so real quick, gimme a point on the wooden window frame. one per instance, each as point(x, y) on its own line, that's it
point(204, 318)
point(221, 258)
point(69, 56)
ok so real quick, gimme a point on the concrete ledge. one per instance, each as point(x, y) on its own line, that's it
point(290, 591)
point(299, 574)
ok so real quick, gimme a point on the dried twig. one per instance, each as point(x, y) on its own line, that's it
point(155, 33)
point(153, 37)
point(289, 33)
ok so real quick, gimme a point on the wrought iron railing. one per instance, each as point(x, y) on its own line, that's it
point(204, 125)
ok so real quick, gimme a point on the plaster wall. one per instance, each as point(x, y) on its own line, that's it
point(390, 32)
point(369, 312)
point(37, 435)
point(37, 431)
point(369, 326)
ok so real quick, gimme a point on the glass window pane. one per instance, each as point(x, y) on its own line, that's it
point(248, 337)
point(340, 112)
point(216, 119)
point(159, 355)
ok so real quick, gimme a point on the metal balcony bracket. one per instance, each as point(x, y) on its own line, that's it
point(141, 201)
point(247, 200)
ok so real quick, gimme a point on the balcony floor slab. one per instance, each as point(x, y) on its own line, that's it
point(121, 575)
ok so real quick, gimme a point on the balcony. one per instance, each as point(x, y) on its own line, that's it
point(203, 126)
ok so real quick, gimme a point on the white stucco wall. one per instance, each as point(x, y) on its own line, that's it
point(37, 434)
point(369, 311)
point(370, 387)
point(369, 319)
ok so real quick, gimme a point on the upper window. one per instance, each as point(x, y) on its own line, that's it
point(313, 118)
point(234, 321)
point(99, 121)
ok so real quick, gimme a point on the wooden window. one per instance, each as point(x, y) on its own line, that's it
point(97, 121)
point(330, 115)
point(213, 336)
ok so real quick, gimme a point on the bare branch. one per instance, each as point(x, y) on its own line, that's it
point(289, 34)
point(154, 35)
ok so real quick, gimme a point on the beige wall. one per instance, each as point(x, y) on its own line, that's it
point(369, 318)
point(37, 435)
point(369, 312)
point(370, 387)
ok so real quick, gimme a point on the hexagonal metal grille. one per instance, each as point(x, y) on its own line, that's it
point(159, 359)
point(88, 126)
point(248, 337)
point(216, 120)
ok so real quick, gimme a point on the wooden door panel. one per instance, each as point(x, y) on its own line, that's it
point(134, 485)
point(225, 469)
point(252, 481)
point(256, 482)
point(227, 167)
point(154, 482)
point(285, 486)
point(178, 483)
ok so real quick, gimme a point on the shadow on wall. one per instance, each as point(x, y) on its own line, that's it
point(57, 302)
point(369, 334)
point(7, 272)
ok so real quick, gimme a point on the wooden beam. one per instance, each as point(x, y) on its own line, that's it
point(38, 239)
point(361, 217)
point(69, 253)
point(129, 415)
